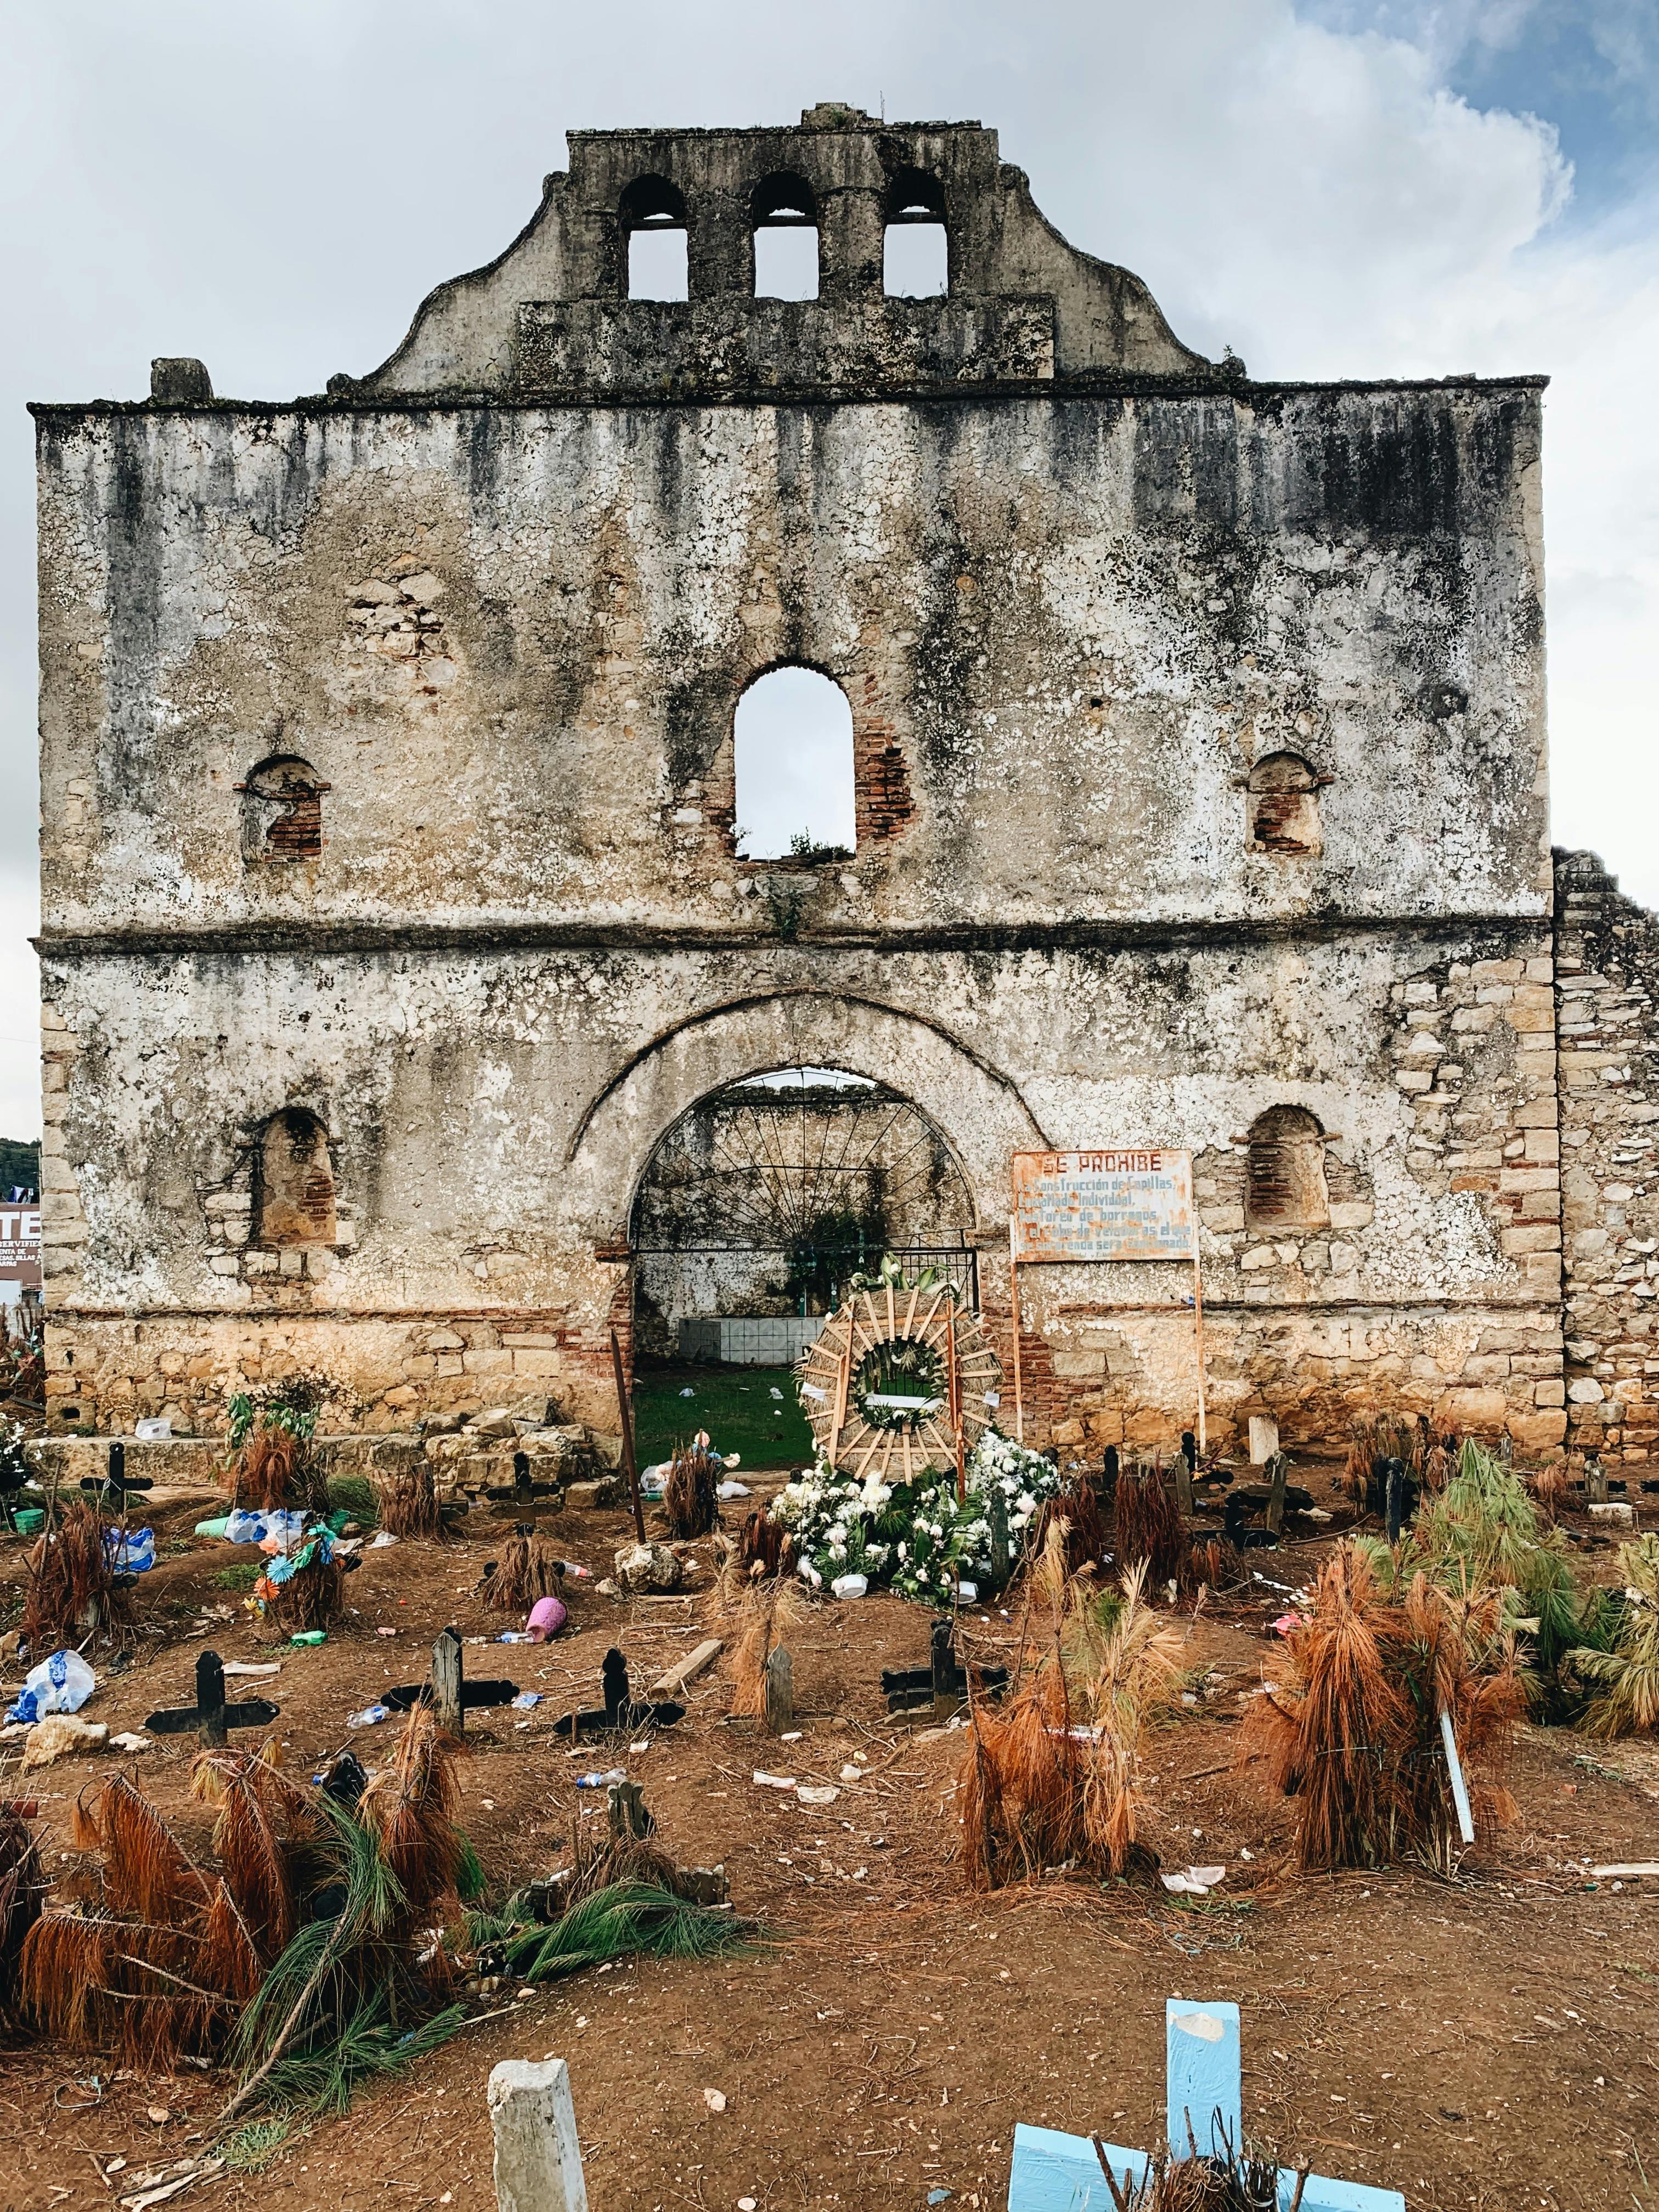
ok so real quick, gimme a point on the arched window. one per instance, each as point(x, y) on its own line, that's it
point(293, 1182)
point(653, 234)
point(1285, 805)
point(282, 811)
point(915, 258)
point(792, 761)
point(785, 212)
point(1284, 1176)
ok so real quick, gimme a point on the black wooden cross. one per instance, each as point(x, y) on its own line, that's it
point(620, 1709)
point(942, 1684)
point(118, 1485)
point(522, 1492)
point(451, 1696)
point(211, 1714)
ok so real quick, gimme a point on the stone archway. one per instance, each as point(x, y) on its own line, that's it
point(978, 1112)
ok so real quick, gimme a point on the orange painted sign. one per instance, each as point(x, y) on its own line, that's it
point(1119, 1202)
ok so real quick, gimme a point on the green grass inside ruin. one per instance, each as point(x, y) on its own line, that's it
point(734, 1404)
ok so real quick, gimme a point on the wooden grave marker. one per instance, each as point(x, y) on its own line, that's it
point(1204, 2106)
point(941, 1686)
point(210, 1714)
point(451, 1696)
point(620, 1709)
point(523, 1493)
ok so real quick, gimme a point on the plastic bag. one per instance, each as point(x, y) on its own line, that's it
point(283, 1531)
point(131, 1554)
point(61, 1684)
point(242, 1527)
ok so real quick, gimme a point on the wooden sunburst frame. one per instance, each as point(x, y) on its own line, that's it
point(896, 1314)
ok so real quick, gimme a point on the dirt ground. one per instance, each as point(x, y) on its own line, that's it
point(1486, 2042)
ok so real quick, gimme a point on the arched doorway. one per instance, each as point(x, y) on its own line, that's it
point(767, 1195)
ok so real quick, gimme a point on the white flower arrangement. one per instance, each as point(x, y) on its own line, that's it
point(927, 1534)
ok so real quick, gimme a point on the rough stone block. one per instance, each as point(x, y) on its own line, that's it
point(550, 1364)
point(1483, 1411)
point(539, 2161)
point(1351, 1214)
point(1538, 1431)
point(1535, 1237)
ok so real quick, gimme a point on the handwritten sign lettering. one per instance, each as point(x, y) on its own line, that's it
point(1122, 1202)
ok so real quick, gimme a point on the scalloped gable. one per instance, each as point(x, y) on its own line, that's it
point(551, 314)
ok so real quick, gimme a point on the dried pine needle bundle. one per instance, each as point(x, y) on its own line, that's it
point(409, 1809)
point(262, 1477)
point(1353, 1732)
point(314, 1595)
point(1626, 1678)
point(1076, 1506)
point(1149, 1531)
point(71, 1587)
point(1214, 1564)
point(1455, 1657)
point(768, 1609)
point(1550, 1487)
point(1055, 1778)
point(764, 1546)
point(269, 1838)
point(408, 1501)
point(689, 1503)
point(1333, 1733)
point(22, 1891)
point(528, 1568)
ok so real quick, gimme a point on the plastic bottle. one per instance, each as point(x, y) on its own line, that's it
point(310, 1635)
point(595, 1780)
point(369, 1717)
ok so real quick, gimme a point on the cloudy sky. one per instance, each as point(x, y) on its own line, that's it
point(1333, 188)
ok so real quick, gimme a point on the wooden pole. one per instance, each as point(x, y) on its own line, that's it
point(1013, 1296)
point(954, 1378)
point(1198, 1334)
point(843, 1382)
point(447, 1702)
point(628, 1465)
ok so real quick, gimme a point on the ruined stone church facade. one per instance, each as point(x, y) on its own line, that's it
point(395, 916)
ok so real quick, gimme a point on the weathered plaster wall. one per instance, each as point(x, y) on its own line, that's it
point(1077, 587)
point(1068, 629)
point(492, 1115)
point(1607, 967)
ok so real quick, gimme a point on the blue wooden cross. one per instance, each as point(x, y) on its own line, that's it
point(1056, 2172)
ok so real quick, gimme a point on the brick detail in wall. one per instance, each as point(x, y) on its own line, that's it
point(1607, 1031)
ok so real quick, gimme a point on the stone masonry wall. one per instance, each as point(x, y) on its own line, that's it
point(1607, 999)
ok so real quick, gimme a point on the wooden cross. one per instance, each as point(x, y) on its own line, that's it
point(621, 1709)
point(522, 1492)
point(118, 1485)
point(941, 1685)
point(1203, 2111)
point(448, 1691)
point(211, 1714)
point(629, 1814)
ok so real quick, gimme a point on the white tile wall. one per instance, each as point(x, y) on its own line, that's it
point(751, 1340)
